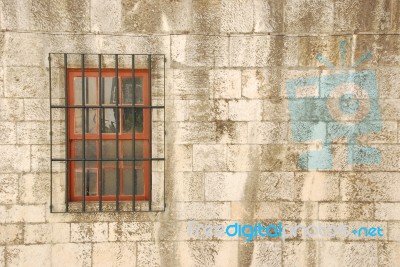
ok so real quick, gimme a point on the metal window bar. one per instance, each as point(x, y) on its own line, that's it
point(134, 136)
point(117, 133)
point(100, 112)
point(100, 109)
point(83, 134)
point(150, 133)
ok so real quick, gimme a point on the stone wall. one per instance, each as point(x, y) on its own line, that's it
point(230, 154)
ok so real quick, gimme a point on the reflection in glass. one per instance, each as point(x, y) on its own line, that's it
point(109, 120)
point(89, 93)
point(90, 120)
point(127, 120)
point(127, 90)
point(109, 90)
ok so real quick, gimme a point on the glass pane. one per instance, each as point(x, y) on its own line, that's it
point(91, 182)
point(78, 120)
point(127, 120)
point(127, 91)
point(109, 152)
point(109, 182)
point(90, 91)
point(127, 149)
point(91, 120)
point(78, 183)
point(90, 151)
point(109, 122)
point(109, 90)
point(139, 120)
point(127, 182)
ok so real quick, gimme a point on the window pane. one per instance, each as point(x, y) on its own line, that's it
point(109, 90)
point(109, 182)
point(109, 122)
point(127, 149)
point(127, 120)
point(109, 152)
point(127, 90)
point(127, 182)
point(90, 151)
point(90, 91)
point(78, 120)
point(90, 120)
point(139, 120)
point(91, 182)
point(78, 182)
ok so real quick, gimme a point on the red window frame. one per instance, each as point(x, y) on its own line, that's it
point(73, 136)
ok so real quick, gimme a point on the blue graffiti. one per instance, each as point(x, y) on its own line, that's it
point(343, 105)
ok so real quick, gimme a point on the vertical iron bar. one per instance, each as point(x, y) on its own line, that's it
point(117, 132)
point(150, 135)
point(67, 163)
point(99, 90)
point(83, 134)
point(51, 142)
point(164, 131)
point(133, 135)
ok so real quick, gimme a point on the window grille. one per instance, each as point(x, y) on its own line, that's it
point(107, 119)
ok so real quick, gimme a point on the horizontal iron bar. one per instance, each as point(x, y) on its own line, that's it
point(87, 106)
point(105, 54)
point(121, 159)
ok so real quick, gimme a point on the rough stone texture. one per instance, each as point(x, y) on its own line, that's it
point(230, 154)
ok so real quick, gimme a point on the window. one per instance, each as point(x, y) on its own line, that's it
point(108, 132)
point(111, 122)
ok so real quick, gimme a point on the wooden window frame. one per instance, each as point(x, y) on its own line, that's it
point(73, 136)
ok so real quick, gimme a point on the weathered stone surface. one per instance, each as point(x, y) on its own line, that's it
point(362, 16)
point(209, 157)
point(389, 253)
point(243, 157)
point(114, 254)
point(189, 186)
point(130, 231)
point(78, 254)
point(199, 51)
point(105, 16)
point(11, 234)
point(317, 186)
point(268, 16)
point(23, 255)
point(345, 211)
point(23, 82)
point(225, 186)
point(299, 253)
point(268, 132)
point(10, 153)
point(8, 188)
point(89, 232)
point(155, 16)
point(302, 16)
point(369, 186)
point(337, 254)
point(202, 211)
